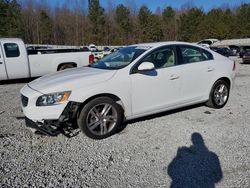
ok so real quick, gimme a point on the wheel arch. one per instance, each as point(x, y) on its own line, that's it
point(83, 119)
point(109, 95)
point(66, 63)
point(210, 87)
point(226, 79)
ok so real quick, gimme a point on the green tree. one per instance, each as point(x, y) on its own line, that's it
point(169, 24)
point(38, 22)
point(155, 33)
point(97, 20)
point(144, 17)
point(188, 24)
point(15, 18)
point(3, 18)
point(122, 18)
point(45, 25)
point(242, 21)
point(216, 24)
point(150, 25)
point(229, 24)
point(10, 19)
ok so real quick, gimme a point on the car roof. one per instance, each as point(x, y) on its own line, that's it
point(11, 39)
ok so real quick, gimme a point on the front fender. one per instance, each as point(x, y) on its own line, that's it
point(122, 93)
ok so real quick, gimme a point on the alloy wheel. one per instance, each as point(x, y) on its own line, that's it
point(221, 94)
point(101, 119)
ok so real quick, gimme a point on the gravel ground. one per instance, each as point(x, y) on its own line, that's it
point(159, 151)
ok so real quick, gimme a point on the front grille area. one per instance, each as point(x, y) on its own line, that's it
point(24, 100)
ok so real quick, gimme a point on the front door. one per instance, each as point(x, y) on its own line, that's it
point(3, 74)
point(16, 59)
point(156, 90)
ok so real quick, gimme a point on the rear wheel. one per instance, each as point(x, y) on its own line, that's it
point(66, 66)
point(219, 94)
point(100, 118)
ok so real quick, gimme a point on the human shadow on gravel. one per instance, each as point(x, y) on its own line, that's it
point(195, 166)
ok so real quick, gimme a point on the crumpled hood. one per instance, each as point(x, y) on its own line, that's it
point(70, 79)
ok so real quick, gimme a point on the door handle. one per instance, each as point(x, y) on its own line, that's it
point(1, 63)
point(210, 69)
point(174, 77)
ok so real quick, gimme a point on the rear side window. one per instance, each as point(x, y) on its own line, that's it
point(207, 55)
point(11, 50)
point(191, 54)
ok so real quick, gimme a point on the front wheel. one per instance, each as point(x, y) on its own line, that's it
point(100, 118)
point(219, 94)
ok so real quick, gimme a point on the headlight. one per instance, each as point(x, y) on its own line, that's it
point(53, 98)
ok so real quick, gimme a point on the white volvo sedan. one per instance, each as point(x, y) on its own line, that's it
point(135, 81)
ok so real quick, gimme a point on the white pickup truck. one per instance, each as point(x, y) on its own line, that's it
point(17, 62)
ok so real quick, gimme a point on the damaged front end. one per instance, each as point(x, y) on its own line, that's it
point(66, 124)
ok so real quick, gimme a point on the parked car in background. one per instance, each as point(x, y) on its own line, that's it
point(246, 57)
point(223, 51)
point(135, 81)
point(100, 54)
point(97, 55)
point(243, 50)
point(18, 62)
point(85, 49)
point(207, 42)
point(93, 48)
point(235, 50)
point(106, 48)
point(106, 52)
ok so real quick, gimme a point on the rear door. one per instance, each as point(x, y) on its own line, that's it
point(3, 73)
point(16, 59)
point(197, 68)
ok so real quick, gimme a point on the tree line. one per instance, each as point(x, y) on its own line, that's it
point(82, 22)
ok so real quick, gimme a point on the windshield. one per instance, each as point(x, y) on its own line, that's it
point(120, 58)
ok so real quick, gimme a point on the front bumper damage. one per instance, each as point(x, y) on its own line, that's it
point(66, 124)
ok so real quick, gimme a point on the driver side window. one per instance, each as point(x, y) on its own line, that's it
point(11, 50)
point(162, 58)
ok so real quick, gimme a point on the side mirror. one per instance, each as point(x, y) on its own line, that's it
point(146, 66)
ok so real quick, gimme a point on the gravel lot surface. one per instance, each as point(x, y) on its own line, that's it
point(152, 152)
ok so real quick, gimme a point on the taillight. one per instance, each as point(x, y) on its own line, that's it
point(91, 58)
point(234, 67)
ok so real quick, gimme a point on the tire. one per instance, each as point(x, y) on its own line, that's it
point(100, 118)
point(66, 66)
point(219, 94)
